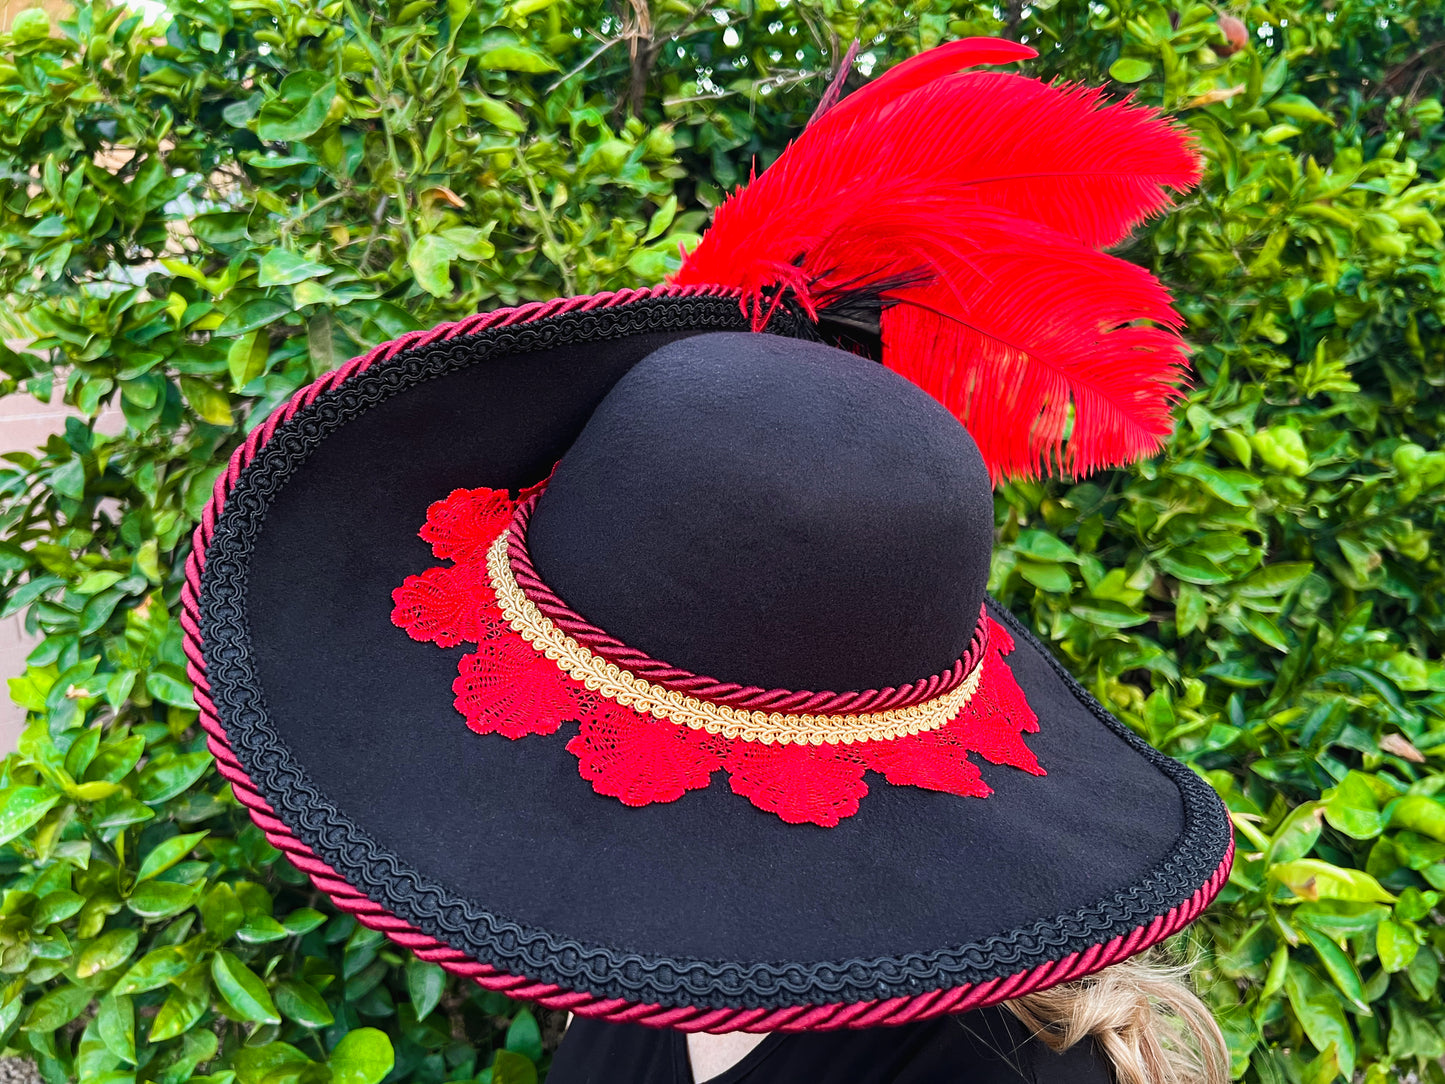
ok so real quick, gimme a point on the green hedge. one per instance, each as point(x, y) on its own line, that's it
point(198, 218)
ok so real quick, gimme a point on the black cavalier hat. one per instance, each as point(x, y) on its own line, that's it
point(631, 653)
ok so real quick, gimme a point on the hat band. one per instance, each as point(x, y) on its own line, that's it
point(747, 697)
point(775, 727)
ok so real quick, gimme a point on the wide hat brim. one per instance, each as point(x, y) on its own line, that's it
point(495, 859)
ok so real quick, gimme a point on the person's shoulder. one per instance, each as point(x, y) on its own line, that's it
point(992, 1046)
point(599, 1052)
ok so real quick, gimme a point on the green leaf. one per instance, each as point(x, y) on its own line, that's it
point(1414, 905)
point(1043, 546)
point(299, 110)
point(430, 260)
point(282, 268)
point(1324, 1069)
point(1130, 69)
point(261, 312)
point(121, 813)
point(1313, 879)
point(424, 985)
point(1407, 670)
point(499, 114)
point(165, 855)
point(1396, 946)
point(180, 1012)
point(21, 807)
point(28, 592)
point(56, 907)
point(260, 930)
point(169, 690)
point(246, 358)
point(109, 950)
point(143, 391)
point(1340, 967)
point(512, 1068)
point(1045, 577)
point(68, 479)
point(1265, 630)
point(363, 1056)
point(268, 1063)
point(210, 403)
point(1417, 852)
point(1191, 566)
point(1415, 812)
point(524, 1036)
point(661, 219)
point(243, 990)
point(1191, 610)
point(57, 1007)
point(300, 1001)
point(1296, 834)
point(51, 226)
point(469, 243)
point(165, 777)
point(516, 58)
point(1298, 107)
point(1113, 615)
point(32, 24)
point(1352, 808)
point(1283, 449)
point(160, 899)
point(10, 1011)
point(302, 920)
point(312, 292)
point(1228, 487)
point(1341, 918)
point(153, 970)
point(97, 581)
point(1274, 580)
point(116, 1022)
point(221, 228)
point(1424, 973)
point(1411, 1035)
point(321, 339)
point(222, 912)
point(197, 1047)
point(1320, 1014)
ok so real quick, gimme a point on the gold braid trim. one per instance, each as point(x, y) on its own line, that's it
point(626, 688)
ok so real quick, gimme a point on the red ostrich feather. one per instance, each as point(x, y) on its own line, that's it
point(971, 208)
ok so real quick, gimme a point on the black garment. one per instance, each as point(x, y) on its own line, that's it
point(987, 1046)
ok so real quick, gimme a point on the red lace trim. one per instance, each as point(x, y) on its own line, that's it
point(507, 687)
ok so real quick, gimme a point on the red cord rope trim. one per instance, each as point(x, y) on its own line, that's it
point(750, 697)
point(350, 900)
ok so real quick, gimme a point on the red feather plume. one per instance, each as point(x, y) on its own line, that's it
point(971, 208)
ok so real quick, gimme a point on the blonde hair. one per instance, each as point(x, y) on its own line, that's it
point(1143, 1016)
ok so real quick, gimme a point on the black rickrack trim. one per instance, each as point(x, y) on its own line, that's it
point(536, 953)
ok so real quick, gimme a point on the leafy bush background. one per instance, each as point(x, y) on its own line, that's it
point(197, 218)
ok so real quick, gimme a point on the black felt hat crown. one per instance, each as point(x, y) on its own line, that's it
point(631, 653)
point(774, 513)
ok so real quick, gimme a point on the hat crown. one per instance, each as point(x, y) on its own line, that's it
point(772, 512)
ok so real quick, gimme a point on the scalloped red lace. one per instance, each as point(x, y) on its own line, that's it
point(506, 686)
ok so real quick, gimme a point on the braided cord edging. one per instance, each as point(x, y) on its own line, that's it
point(348, 898)
point(748, 697)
